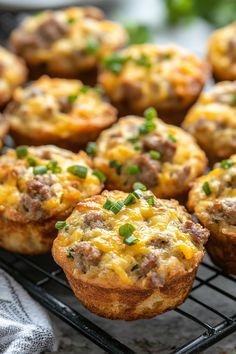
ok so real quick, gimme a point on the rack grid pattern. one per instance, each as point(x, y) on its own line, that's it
point(33, 274)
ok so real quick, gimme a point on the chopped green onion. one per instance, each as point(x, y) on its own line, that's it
point(84, 89)
point(206, 188)
point(99, 175)
point(131, 240)
point(69, 253)
point(114, 63)
point(135, 267)
point(138, 33)
point(138, 193)
point(116, 165)
point(226, 164)
point(53, 166)
point(31, 161)
point(140, 186)
point(91, 149)
point(21, 151)
point(116, 208)
point(132, 170)
point(99, 89)
point(60, 225)
point(150, 200)
point(133, 140)
point(78, 170)
point(130, 199)
point(150, 113)
point(40, 170)
point(72, 98)
point(71, 20)
point(233, 99)
point(126, 230)
point(147, 127)
point(92, 45)
point(155, 155)
point(143, 60)
point(108, 204)
point(171, 138)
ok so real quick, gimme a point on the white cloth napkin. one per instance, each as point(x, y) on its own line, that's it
point(25, 327)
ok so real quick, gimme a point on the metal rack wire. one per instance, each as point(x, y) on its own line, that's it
point(35, 273)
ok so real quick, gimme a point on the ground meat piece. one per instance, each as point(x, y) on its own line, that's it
point(155, 142)
point(149, 170)
point(86, 255)
point(149, 262)
point(224, 210)
point(38, 190)
point(65, 105)
point(181, 176)
point(199, 234)
point(159, 241)
point(51, 30)
point(95, 219)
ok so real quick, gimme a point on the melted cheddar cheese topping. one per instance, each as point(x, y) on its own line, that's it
point(222, 51)
point(158, 230)
point(59, 106)
point(38, 185)
point(212, 120)
point(154, 75)
point(179, 163)
point(67, 40)
point(12, 74)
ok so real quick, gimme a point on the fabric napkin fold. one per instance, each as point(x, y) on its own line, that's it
point(25, 327)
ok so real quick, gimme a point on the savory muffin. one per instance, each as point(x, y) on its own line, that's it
point(39, 186)
point(163, 157)
point(166, 77)
point(13, 73)
point(137, 253)
point(222, 53)
point(3, 129)
point(67, 42)
point(58, 111)
point(212, 121)
point(213, 199)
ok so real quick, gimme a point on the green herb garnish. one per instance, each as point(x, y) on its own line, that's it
point(31, 161)
point(155, 155)
point(99, 175)
point(84, 89)
point(206, 188)
point(139, 186)
point(91, 149)
point(69, 252)
point(114, 63)
point(92, 45)
point(71, 20)
point(108, 204)
point(116, 165)
point(132, 170)
point(138, 193)
point(138, 33)
point(151, 200)
point(72, 98)
point(226, 164)
point(171, 138)
point(143, 60)
point(147, 127)
point(116, 208)
point(150, 113)
point(40, 170)
point(130, 199)
point(78, 170)
point(60, 225)
point(53, 166)
point(21, 151)
point(131, 240)
point(126, 230)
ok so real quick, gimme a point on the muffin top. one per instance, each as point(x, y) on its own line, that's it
point(82, 32)
point(163, 157)
point(13, 72)
point(164, 76)
point(37, 183)
point(212, 120)
point(222, 52)
point(59, 106)
point(121, 240)
point(213, 197)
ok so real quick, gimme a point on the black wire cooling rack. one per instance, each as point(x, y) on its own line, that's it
point(36, 273)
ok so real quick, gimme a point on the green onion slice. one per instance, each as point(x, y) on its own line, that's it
point(206, 188)
point(21, 151)
point(40, 170)
point(126, 230)
point(78, 170)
